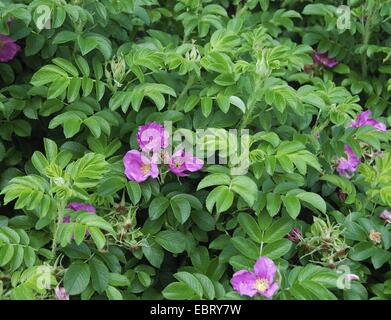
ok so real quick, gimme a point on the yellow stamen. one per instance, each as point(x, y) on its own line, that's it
point(145, 168)
point(178, 162)
point(261, 285)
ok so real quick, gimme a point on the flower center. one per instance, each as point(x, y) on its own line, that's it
point(178, 162)
point(1, 44)
point(261, 285)
point(145, 168)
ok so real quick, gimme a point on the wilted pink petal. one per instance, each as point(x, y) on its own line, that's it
point(138, 167)
point(61, 294)
point(352, 277)
point(8, 48)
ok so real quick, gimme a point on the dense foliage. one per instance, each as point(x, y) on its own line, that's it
point(81, 80)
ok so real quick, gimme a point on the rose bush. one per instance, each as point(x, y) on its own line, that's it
point(101, 198)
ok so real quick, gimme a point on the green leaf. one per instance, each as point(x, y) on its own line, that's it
point(77, 277)
point(29, 256)
point(50, 149)
point(118, 280)
point(361, 251)
point(134, 191)
point(178, 291)
point(6, 254)
point(292, 205)
point(113, 293)
point(223, 102)
point(98, 237)
point(314, 200)
point(39, 162)
point(246, 188)
point(154, 254)
point(79, 232)
point(172, 241)
point(250, 226)
point(22, 128)
point(191, 281)
point(278, 230)
point(273, 203)
point(157, 207)
point(207, 286)
point(34, 43)
point(277, 249)
point(220, 196)
point(237, 102)
point(66, 65)
point(99, 275)
point(380, 257)
point(246, 247)
point(214, 179)
point(110, 185)
point(73, 89)
point(58, 87)
point(64, 36)
point(86, 44)
point(319, 291)
point(206, 106)
point(181, 208)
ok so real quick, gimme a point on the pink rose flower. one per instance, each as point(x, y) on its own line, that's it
point(182, 162)
point(261, 281)
point(152, 137)
point(347, 166)
point(363, 119)
point(138, 167)
point(324, 60)
point(8, 48)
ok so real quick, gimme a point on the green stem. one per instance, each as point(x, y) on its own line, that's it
point(321, 128)
point(366, 36)
point(251, 105)
point(60, 218)
point(261, 247)
point(189, 83)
